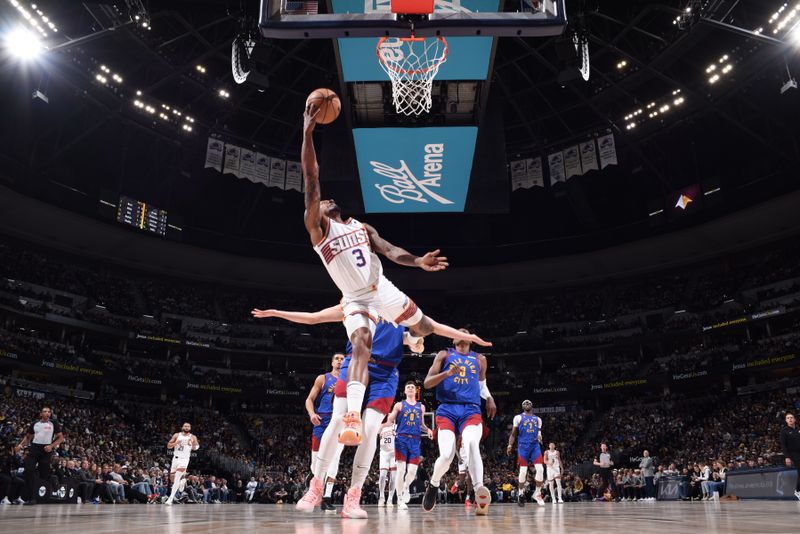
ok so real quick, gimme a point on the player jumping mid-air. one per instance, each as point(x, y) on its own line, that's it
point(459, 376)
point(528, 427)
point(349, 250)
point(409, 415)
point(182, 445)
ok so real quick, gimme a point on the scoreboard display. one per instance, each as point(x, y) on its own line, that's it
point(141, 215)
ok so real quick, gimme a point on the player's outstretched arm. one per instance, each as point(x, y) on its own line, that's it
point(430, 262)
point(314, 220)
point(451, 333)
point(435, 374)
point(334, 314)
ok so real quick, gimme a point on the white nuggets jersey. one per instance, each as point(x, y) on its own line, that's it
point(183, 447)
point(387, 439)
point(347, 255)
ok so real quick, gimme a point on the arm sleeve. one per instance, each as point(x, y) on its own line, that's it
point(517, 419)
point(539, 422)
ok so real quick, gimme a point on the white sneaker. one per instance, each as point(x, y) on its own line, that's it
point(559, 501)
point(402, 506)
point(168, 502)
point(80, 501)
point(19, 500)
point(797, 494)
point(483, 497)
point(5, 501)
point(381, 503)
point(538, 499)
point(389, 504)
point(406, 497)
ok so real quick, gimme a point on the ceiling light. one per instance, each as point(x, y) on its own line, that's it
point(23, 44)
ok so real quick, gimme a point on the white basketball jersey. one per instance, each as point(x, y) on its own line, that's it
point(347, 254)
point(553, 458)
point(387, 439)
point(183, 446)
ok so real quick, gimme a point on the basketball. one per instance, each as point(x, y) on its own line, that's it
point(328, 103)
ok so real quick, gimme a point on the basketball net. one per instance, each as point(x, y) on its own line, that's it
point(411, 63)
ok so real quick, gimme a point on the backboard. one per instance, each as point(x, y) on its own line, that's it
point(323, 19)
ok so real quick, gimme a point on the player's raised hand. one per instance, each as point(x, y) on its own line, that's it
point(263, 314)
point(310, 118)
point(432, 262)
point(472, 338)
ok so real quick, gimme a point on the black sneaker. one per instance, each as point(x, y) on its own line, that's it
point(327, 506)
point(429, 500)
point(521, 499)
point(31, 502)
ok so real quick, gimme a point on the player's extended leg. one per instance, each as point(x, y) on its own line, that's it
point(401, 470)
point(471, 437)
point(447, 450)
point(392, 486)
point(539, 479)
point(357, 376)
point(327, 452)
point(552, 489)
point(383, 479)
point(523, 476)
point(177, 475)
point(411, 475)
point(333, 470)
point(365, 453)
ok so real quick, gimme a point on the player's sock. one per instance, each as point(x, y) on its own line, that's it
point(175, 485)
point(471, 437)
point(355, 396)
point(366, 451)
point(551, 487)
point(558, 485)
point(314, 455)
point(329, 444)
point(392, 485)
point(328, 490)
point(447, 449)
point(382, 480)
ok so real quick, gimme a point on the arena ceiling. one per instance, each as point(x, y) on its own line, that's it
point(90, 142)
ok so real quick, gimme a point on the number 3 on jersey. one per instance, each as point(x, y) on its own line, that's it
point(360, 259)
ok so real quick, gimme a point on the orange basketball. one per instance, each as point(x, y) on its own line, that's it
point(328, 104)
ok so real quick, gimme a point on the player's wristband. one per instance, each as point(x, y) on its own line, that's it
point(485, 394)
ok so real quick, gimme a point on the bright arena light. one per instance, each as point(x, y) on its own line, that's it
point(23, 44)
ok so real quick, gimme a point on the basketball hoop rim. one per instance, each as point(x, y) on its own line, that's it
point(436, 64)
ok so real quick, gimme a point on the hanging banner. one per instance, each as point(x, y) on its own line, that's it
point(232, 155)
point(277, 173)
point(247, 165)
point(294, 176)
point(588, 156)
point(262, 168)
point(534, 170)
point(519, 175)
point(572, 162)
point(556, 162)
point(214, 154)
point(608, 151)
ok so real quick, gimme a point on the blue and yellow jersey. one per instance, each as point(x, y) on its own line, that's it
point(462, 387)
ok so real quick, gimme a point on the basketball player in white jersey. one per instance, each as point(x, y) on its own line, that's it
point(182, 444)
point(552, 459)
point(349, 250)
point(388, 465)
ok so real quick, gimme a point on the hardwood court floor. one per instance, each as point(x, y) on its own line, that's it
point(641, 518)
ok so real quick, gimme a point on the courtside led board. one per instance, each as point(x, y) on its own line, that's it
point(414, 170)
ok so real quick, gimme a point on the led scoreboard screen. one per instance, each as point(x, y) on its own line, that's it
point(142, 215)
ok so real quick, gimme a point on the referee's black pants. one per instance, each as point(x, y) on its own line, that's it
point(37, 459)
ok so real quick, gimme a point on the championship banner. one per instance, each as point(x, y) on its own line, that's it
point(572, 162)
point(232, 155)
point(588, 156)
point(247, 165)
point(556, 162)
point(262, 168)
point(214, 154)
point(294, 176)
point(535, 174)
point(411, 170)
point(608, 151)
point(519, 175)
point(277, 173)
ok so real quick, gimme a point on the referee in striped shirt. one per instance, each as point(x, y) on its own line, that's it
point(41, 436)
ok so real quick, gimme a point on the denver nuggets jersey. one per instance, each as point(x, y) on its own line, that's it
point(528, 427)
point(325, 397)
point(347, 255)
point(462, 387)
point(410, 420)
point(387, 348)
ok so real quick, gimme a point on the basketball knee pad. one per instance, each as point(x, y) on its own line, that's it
point(523, 474)
point(539, 472)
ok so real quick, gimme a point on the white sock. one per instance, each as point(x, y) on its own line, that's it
point(365, 452)
point(471, 437)
point(392, 485)
point(401, 470)
point(329, 444)
point(175, 484)
point(314, 455)
point(411, 474)
point(558, 485)
point(382, 480)
point(551, 485)
point(328, 489)
point(447, 449)
point(355, 396)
